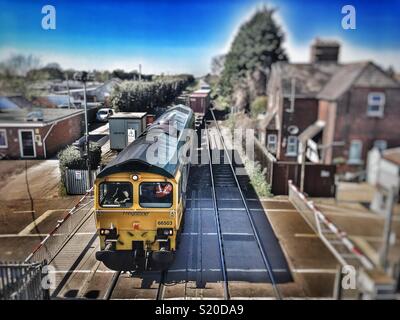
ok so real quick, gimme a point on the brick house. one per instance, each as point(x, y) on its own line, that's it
point(361, 108)
point(336, 111)
point(292, 105)
point(38, 134)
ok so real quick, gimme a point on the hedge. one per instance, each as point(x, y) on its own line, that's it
point(133, 96)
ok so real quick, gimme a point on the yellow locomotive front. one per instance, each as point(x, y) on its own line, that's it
point(140, 206)
point(138, 217)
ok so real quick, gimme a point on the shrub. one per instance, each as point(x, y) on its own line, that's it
point(71, 158)
point(258, 106)
point(230, 122)
point(257, 178)
point(221, 103)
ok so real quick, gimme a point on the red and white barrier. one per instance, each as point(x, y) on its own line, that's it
point(59, 224)
point(334, 229)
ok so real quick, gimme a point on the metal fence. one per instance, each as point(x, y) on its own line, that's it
point(77, 182)
point(266, 160)
point(22, 281)
point(53, 242)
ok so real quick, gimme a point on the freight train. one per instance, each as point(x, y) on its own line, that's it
point(140, 198)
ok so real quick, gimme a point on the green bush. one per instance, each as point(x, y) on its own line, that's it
point(133, 96)
point(258, 106)
point(71, 158)
point(230, 122)
point(222, 103)
point(257, 178)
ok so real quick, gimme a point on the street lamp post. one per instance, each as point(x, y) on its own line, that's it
point(83, 77)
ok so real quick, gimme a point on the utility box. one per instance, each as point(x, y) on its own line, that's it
point(125, 127)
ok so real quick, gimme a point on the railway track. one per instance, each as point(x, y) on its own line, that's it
point(113, 284)
point(224, 176)
point(161, 286)
point(218, 223)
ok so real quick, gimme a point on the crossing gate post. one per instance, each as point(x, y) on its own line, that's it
point(337, 288)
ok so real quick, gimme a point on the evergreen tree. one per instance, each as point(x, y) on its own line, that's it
point(257, 45)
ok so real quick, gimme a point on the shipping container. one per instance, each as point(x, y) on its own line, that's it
point(200, 101)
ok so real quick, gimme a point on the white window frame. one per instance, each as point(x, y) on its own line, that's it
point(5, 139)
point(291, 144)
point(372, 102)
point(272, 144)
point(21, 149)
point(355, 160)
point(381, 142)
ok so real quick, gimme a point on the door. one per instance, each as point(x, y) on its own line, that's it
point(27, 144)
point(117, 134)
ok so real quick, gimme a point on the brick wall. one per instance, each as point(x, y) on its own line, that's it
point(352, 121)
point(63, 134)
point(305, 113)
point(12, 150)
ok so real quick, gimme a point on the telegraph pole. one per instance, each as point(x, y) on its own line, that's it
point(69, 94)
point(84, 79)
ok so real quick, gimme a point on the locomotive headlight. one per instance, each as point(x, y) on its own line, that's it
point(104, 232)
point(135, 177)
point(168, 232)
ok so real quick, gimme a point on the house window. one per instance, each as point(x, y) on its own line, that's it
point(291, 149)
point(380, 144)
point(271, 143)
point(3, 139)
point(376, 104)
point(355, 152)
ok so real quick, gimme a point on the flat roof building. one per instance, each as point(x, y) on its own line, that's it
point(38, 133)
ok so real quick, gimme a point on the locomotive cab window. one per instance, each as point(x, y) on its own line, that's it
point(116, 195)
point(155, 195)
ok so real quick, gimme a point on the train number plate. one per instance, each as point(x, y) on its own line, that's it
point(164, 223)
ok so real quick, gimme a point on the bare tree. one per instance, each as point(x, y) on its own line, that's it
point(217, 64)
point(19, 65)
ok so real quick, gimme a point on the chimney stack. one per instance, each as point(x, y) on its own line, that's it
point(325, 51)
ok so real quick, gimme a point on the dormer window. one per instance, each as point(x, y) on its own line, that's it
point(376, 104)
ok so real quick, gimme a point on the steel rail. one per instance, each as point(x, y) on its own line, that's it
point(161, 286)
point(219, 231)
point(258, 241)
point(112, 286)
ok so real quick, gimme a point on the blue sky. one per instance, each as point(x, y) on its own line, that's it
point(182, 36)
